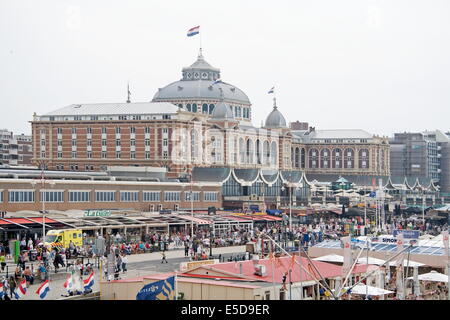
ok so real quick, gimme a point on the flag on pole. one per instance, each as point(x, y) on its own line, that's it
point(217, 81)
point(271, 90)
point(21, 289)
point(2, 293)
point(193, 31)
point(69, 284)
point(43, 289)
point(88, 283)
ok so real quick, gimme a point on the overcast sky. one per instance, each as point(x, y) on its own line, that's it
point(382, 66)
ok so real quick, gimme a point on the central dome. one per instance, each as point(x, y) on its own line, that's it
point(197, 84)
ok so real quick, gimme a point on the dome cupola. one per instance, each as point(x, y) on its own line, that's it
point(275, 119)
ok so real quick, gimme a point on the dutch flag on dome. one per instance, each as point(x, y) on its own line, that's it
point(43, 290)
point(21, 290)
point(271, 90)
point(193, 31)
point(89, 281)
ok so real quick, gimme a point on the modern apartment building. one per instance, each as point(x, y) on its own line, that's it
point(15, 149)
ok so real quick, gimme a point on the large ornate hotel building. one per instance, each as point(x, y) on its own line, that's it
point(198, 121)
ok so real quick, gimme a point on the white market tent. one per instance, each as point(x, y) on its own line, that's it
point(370, 260)
point(371, 291)
point(433, 276)
point(330, 258)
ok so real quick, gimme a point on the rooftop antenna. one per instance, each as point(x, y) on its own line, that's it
point(129, 93)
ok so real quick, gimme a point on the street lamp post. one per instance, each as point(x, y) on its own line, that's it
point(192, 212)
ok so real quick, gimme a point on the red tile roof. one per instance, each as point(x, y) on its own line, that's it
point(281, 266)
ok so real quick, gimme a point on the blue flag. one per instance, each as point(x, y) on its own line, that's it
point(159, 290)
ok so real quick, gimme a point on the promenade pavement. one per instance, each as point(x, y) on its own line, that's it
point(138, 265)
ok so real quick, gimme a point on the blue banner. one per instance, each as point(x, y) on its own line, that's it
point(159, 290)
point(407, 234)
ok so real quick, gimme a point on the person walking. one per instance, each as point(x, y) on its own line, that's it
point(164, 257)
point(124, 263)
point(2, 262)
point(12, 285)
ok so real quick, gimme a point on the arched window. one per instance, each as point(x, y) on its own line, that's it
point(349, 158)
point(258, 152)
point(250, 151)
point(205, 108)
point(325, 158)
point(363, 158)
point(211, 108)
point(274, 154)
point(336, 160)
point(303, 158)
point(188, 107)
point(266, 153)
point(297, 158)
point(313, 158)
point(241, 151)
point(194, 107)
point(194, 145)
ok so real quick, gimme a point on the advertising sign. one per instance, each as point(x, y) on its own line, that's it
point(407, 234)
point(97, 213)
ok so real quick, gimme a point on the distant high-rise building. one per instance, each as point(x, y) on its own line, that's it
point(422, 154)
point(15, 149)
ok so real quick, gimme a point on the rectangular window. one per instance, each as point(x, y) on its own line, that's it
point(147, 142)
point(104, 155)
point(151, 196)
point(210, 196)
point(74, 143)
point(89, 130)
point(21, 196)
point(147, 155)
point(43, 143)
point(195, 196)
point(129, 196)
point(59, 142)
point(118, 130)
point(147, 130)
point(59, 130)
point(42, 154)
point(104, 130)
point(59, 154)
point(103, 142)
point(132, 155)
point(165, 130)
point(1, 196)
point(132, 142)
point(89, 155)
point(52, 196)
point(132, 130)
point(89, 142)
point(117, 142)
point(74, 154)
point(105, 196)
point(94, 117)
point(74, 130)
point(79, 196)
point(165, 155)
point(118, 155)
point(172, 196)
